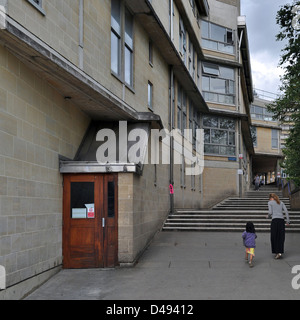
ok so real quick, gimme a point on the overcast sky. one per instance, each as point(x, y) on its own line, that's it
point(265, 51)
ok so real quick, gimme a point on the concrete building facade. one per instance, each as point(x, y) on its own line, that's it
point(71, 69)
point(267, 134)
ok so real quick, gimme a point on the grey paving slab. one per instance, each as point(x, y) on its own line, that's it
point(186, 266)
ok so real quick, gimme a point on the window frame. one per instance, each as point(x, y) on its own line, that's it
point(182, 40)
point(124, 46)
point(150, 96)
point(275, 139)
point(216, 74)
point(229, 38)
point(219, 128)
point(151, 53)
point(38, 6)
point(265, 115)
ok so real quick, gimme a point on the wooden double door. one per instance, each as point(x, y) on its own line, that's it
point(90, 221)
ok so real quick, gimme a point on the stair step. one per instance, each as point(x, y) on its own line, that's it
point(227, 218)
point(222, 229)
point(232, 214)
point(222, 224)
point(229, 212)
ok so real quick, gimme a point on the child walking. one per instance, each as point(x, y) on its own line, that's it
point(249, 237)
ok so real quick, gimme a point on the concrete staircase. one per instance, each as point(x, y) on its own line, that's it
point(232, 214)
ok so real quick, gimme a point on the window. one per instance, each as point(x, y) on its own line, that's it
point(218, 84)
point(254, 135)
point(261, 113)
point(121, 42)
point(184, 110)
point(116, 37)
point(191, 114)
point(217, 38)
point(128, 48)
point(111, 199)
point(150, 53)
point(194, 123)
point(181, 109)
point(219, 136)
point(179, 115)
point(275, 139)
point(150, 96)
point(192, 59)
point(82, 198)
point(38, 5)
point(195, 11)
point(182, 40)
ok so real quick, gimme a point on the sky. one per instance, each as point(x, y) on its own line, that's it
point(265, 51)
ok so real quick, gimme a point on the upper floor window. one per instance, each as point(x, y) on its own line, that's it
point(253, 131)
point(218, 83)
point(122, 42)
point(217, 38)
point(195, 11)
point(261, 113)
point(182, 40)
point(38, 4)
point(150, 95)
point(275, 139)
point(181, 109)
point(194, 122)
point(219, 136)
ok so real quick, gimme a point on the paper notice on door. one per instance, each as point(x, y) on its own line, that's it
point(79, 213)
point(90, 210)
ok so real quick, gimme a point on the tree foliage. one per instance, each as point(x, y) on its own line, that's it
point(287, 107)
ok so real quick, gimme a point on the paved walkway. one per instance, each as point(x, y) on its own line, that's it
point(186, 266)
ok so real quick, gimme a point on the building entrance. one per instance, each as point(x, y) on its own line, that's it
point(90, 221)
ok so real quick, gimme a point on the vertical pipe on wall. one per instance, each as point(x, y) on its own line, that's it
point(171, 123)
point(80, 45)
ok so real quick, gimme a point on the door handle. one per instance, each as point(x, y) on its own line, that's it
point(103, 222)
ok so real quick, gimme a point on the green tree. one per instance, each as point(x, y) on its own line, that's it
point(287, 107)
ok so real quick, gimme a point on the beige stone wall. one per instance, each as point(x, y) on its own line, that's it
point(219, 183)
point(125, 221)
point(143, 207)
point(62, 18)
point(150, 205)
point(264, 141)
point(36, 126)
point(224, 12)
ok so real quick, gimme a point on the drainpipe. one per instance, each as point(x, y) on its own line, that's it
point(240, 136)
point(171, 122)
point(80, 46)
point(171, 6)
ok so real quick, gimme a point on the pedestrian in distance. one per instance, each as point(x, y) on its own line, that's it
point(249, 237)
point(256, 182)
point(276, 209)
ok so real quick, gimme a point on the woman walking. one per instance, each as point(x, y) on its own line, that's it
point(276, 208)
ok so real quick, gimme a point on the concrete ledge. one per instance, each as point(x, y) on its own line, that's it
point(24, 288)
